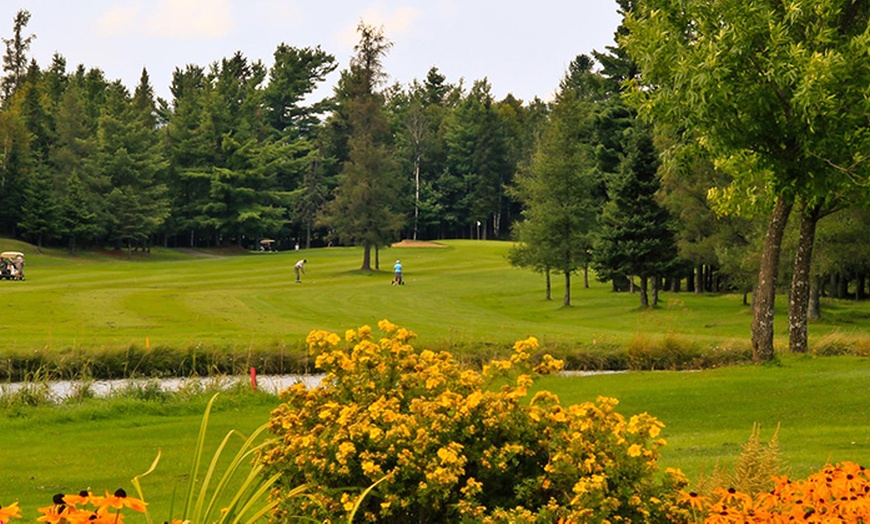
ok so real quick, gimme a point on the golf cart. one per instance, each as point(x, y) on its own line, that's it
point(12, 265)
point(267, 244)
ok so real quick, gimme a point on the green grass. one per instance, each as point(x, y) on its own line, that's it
point(819, 403)
point(462, 295)
point(102, 444)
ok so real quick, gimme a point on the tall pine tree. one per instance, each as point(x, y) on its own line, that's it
point(635, 237)
point(364, 208)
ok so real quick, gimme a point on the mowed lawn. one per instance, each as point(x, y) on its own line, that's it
point(818, 403)
point(464, 294)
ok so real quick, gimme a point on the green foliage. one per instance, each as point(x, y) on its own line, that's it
point(138, 362)
point(635, 238)
point(239, 491)
point(560, 193)
point(446, 444)
point(754, 469)
point(762, 87)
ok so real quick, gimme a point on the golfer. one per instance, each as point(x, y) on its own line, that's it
point(300, 270)
point(397, 278)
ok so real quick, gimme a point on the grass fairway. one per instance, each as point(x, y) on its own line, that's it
point(461, 295)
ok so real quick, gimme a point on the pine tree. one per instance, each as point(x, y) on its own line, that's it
point(635, 237)
point(560, 192)
point(15, 60)
point(364, 208)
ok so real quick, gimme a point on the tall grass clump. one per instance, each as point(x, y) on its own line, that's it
point(668, 352)
point(838, 343)
point(754, 470)
point(672, 352)
point(235, 492)
point(158, 361)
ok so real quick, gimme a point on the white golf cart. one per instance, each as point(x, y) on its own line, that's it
point(12, 265)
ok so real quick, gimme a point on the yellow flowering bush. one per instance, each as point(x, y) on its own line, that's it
point(436, 442)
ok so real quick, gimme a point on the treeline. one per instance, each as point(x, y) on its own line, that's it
point(241, 153)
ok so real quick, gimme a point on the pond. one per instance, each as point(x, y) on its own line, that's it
point(62, 389)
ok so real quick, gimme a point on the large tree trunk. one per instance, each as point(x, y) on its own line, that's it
point(644, 297)
point(567, 300)
point(655, 291)
point(765, 291)
point(799, 298)
point(699, 279)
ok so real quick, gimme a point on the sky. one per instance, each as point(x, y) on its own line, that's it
point(520, 47)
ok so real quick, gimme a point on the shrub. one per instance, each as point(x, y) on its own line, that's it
point(442, 443)
point(670, 352)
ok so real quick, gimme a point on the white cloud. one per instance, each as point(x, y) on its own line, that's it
point(170, 18)
point(118, 20)
point(190, 18)
point(398, 22)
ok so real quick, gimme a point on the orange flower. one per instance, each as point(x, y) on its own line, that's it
point(82, 499)
point(56, 512)
point(100, 516)
point(120, 500)
point(695, 501)
point(12, 511)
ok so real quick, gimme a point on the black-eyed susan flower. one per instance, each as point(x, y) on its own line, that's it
point(119, 500)
point(83, 498)
point(693, 500)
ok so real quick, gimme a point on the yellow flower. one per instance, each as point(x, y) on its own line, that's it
point(347, 503)
point(369, 467)
point(634, 450)
point(450, 454)
point(528, 345)
point(386, 326)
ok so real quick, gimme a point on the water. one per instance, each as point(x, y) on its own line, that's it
point(62, 389)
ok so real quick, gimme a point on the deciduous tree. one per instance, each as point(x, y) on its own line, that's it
point(766, 85)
